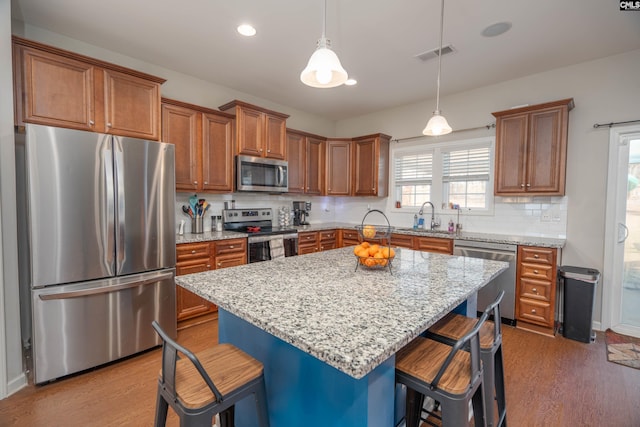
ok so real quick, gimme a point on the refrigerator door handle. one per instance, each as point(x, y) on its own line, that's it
point(120, 205)
point(107, 164)
point(129, 283)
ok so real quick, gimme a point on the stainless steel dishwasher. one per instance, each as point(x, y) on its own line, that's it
point(505, 281)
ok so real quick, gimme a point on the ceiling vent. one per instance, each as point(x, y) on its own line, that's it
point(433, 53)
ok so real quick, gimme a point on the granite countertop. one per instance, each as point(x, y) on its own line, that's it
point(548, 242)
point(350, 319)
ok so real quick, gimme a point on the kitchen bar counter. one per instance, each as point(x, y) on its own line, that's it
point(327, 334)
point(540, 241)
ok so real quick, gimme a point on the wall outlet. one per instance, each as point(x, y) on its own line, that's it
point(546, 216)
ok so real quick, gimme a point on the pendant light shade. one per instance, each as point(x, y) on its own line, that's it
point(437, 124)
point(324, 69)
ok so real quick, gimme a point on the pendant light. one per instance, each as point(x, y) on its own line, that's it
point(437, 124)
point(324, 69)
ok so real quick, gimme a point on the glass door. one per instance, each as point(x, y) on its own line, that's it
point(621, 287)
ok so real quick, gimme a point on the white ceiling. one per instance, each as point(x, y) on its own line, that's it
point(376, 41)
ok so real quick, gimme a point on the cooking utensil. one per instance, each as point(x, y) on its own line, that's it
point(187, 210)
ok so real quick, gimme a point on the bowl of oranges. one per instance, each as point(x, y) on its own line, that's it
point(373, 255)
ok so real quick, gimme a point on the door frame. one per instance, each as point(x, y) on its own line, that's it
point(614, 250)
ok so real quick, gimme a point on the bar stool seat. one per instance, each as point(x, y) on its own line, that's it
point(453, 326)
point(200, 386)
point(445, 374)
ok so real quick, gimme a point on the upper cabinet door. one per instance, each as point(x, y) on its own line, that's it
point(250, 132)
point(131, 105)
point(315, 166)
point(531, 149)
point(181, 127)
point(339, 167)
point(217, 153)
point(296, 157)
point(511, 154)
point(53, 90)
point(275, 146)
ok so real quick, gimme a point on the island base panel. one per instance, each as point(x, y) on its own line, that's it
point(304, 391)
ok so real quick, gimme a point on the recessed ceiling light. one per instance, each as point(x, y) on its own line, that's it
point(496, 29)
point(351, 82)
point(246, 30)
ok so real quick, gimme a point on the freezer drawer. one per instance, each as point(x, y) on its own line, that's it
point(80, 326)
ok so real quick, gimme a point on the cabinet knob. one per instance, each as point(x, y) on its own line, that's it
point(219, 265)
point(521, 185)
point(195, 182)
point(535, 271)
point(528, 185)
point(193, 251)
point(208, 266)
point(268, 151)
point(536, 256)
point(91, 122)
point(231, 247)
point(534, 290)
point(108, 125)
point(533, 311)
point(206, 182)
point(261, 150)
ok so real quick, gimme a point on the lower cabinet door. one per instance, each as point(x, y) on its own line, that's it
point(189, 304)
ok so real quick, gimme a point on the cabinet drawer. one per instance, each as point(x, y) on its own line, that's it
point(231, 260)
point(350, 235)
point(535, 311)
point(538, 255)
point(329, 244)
point(401, 240)
point(434, 244)
point(231, 246)
point(537, 271)
point(190, 251)
point(193, 266)
point(535, 289)
point(308, 238)
point(327, 235)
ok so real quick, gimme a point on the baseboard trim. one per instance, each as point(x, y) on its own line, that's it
point(17, 384)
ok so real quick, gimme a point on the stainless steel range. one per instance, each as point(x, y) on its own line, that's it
point(265, 242)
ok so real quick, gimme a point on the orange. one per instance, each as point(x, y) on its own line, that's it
point(369, 231)
point(373, 249)
point(357, 249)
point(384, 252)
point(369, 262)
point(365, 244)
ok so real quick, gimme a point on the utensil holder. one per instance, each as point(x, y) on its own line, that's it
point(197, 225)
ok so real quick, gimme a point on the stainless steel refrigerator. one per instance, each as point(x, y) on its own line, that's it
point(96, 225)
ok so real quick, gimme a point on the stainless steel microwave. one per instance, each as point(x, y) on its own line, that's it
point(260, 174)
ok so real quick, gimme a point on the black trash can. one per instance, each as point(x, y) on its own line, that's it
point(579, 285)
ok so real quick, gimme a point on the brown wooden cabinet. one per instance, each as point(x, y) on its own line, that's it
point(193, 258)
point(316, 241)
point(536, 288)
point(433, 244)
point(531, 149)
point(402, 241)
point(60, 88)
point(306, 157)
point(204, 256)
point(338, 171)
point(371, 165)
point(259, 132)
point(203, 140)
point(348, 237)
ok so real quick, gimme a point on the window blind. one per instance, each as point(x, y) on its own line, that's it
point(414, 168)
point(466, 165)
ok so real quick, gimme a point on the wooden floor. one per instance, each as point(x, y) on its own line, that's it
point(549, 381)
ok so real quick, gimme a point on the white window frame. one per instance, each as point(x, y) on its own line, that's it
point(437, 188)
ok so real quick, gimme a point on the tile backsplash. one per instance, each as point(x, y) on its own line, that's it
point(532, 216)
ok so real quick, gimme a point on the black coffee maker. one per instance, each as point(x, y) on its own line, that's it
point(301, 211)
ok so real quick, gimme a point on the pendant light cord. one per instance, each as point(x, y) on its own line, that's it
point(439, 58)
point(324, 19)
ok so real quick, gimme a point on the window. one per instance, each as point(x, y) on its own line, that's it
point(446, 174)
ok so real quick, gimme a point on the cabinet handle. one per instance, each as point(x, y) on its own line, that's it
point(231, 247)
point(209, 266)
point(268, 151)
point(206, 182)
point(528, 185)
point(91, 122)
point(536, 256)
point(533, 311)
point(521, 185)
point(195, 182)
point(261, 150)
point(535, 271)
point(219, 265)
point(108, 125)
point(193, 251)
point(534, 290)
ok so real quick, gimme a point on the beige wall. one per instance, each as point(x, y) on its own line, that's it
point(604, 90)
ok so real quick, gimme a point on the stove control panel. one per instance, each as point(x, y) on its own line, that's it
point(246, 215)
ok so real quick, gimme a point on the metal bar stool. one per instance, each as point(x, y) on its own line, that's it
point(453, 326)
point(199, 387)
point(445, 374)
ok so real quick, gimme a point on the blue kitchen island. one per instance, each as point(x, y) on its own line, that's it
point(327, 333)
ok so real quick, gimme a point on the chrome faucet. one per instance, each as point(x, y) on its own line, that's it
point(434, 224)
